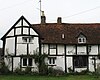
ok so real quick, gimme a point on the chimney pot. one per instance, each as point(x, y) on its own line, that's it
point(59, 20)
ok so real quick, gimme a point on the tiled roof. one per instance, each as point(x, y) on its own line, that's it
point(52, 32)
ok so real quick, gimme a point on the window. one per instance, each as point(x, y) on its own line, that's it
point(52, 60)
point(80, 61)
point(24, 62)
point(27, 39)
point(27, 62)
point(81, 40)
point(52, 46)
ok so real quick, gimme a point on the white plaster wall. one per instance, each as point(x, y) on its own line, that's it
point(69, 63)
point(97, 63)
point(60, 62)
point(70, 50)
point(25, 30)
point(11, 33)
point(32, 32)
point(18, 31)
point(45, 49)
point(8, 62)
point(18, 24)
point(60, 49)
point(22, 48)
point(80, 69)
point(16, 63)
point(91, 64)
point(10, 46)
point(94, 50)
point(81, 50)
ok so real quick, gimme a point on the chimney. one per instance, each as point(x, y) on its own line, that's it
point(59, 20)
point(43, 18)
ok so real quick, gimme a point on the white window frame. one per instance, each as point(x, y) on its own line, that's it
point(81, 40)
point(28, 39)
point(27, 62)
point(53, 61)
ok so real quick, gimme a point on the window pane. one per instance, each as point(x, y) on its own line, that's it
point(30, 62)
point(24, 61)
point(49, 60)
point(53, 60)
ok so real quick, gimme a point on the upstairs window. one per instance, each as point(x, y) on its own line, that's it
point(81, 38)
point(52, 46)
point(27, 39)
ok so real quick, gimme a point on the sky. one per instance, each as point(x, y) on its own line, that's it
point(71, 11)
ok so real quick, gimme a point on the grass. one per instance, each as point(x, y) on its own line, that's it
point(68, 77)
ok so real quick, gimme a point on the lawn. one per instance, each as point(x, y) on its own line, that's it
point(68, 77)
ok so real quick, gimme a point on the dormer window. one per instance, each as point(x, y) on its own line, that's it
point(81, 39)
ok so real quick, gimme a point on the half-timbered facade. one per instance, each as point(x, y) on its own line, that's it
point(73, 47)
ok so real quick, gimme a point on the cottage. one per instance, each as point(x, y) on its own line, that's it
point(69, 46)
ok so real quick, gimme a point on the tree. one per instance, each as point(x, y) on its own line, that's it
point(40, 61)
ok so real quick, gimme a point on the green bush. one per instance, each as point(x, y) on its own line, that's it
point(55, 72)
point(4, 68)
point(18, 71)
point(28, 70)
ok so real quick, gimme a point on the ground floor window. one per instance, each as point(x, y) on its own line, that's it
point(52, 60)
point(27, 61)
point(80, 61)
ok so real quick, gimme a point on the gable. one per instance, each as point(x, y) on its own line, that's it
point(21, 27)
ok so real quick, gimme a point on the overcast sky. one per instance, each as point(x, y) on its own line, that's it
point(71, 11)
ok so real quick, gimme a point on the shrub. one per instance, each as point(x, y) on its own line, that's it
point(4, 68)
point(18, 71)
point(28, 70)
point(55, 71)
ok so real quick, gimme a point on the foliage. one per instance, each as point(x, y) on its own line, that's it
point(55, 72)
point(18, 71)
point(4, 68)
point(28, 77)
point(70, 70)
point(27, 70)
point(40, 62)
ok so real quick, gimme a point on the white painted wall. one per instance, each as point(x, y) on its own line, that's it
point(94, 50)
point(8, 62)
point(60, 49)
point(91, 64)
point(69, 63)
point(81, 50)
point(18, 31)
point(70, 50)
point(16, 63)
point(11, 33)
point(80, 69)
point(22, 46)
point(44, 48)
point(10, 46)
point(60, 62)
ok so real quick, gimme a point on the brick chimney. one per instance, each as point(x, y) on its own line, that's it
point(43, 18)
point(59, 20)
